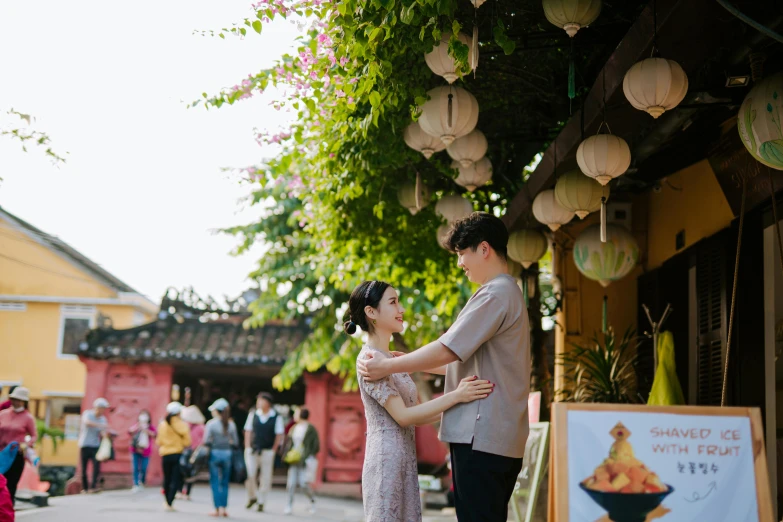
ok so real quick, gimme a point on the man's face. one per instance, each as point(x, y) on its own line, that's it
point(263, 404)
point(471, 262)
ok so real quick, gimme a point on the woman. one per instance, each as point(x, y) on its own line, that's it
point(195, 419)
point(221, 437)
point(16, 424)
point(173, 437)
point(306, 446)
point(142, 434)
point(390, 487)
point(94, 427)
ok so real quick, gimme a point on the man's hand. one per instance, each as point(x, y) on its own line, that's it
point(372, 369)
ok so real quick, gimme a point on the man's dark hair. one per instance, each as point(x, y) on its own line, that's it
point(268, 396)
point(478, 227)
point(304, 413)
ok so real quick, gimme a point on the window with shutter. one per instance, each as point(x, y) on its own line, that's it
point(711, 318)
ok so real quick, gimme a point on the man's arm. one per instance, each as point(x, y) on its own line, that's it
point(248, 435)
point(430, 356)
point(278, 442)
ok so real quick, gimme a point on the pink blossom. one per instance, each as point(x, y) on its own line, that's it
point(350, 99)
point(339, 93)
point(343, 61)
point(353, 80)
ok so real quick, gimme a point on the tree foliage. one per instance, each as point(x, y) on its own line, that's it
point(12, 126)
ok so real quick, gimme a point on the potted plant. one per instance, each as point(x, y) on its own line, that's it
point(603, 370)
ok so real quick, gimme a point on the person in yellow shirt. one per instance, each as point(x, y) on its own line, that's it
point(173, 437)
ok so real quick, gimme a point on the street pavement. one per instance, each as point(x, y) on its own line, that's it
point(147, 506)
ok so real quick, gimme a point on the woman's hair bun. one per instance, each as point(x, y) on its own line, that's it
point(349, 327)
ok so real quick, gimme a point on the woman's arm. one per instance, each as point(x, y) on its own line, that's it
point(431, 420)
point(469, 390)
point(32, 430)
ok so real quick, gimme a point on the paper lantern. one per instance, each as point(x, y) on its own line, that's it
point(609, 261)
point(450, 113)
point(477, 175)
point(526, 246)
point(422, 142)
point(549, 212)
point(443, 235)
point(603, 157)
point(469, 149)
point(407, 197)
point(514, 268)
point(442, 63)
point(452, 208)
point(572, 15)
point(477, 3)
point(759, 122)
point(655, 85)
point(579, 194)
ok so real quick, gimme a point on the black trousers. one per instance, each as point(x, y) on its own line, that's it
point(14, 473)
point(172, 477)
point(483, 483)
point(88, 455)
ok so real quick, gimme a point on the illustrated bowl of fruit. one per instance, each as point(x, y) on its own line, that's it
point(626, 489)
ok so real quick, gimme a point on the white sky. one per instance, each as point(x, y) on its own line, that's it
point(142, 189)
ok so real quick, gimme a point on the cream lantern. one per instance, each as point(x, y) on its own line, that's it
point(406, 195)
point(442, 63)
point(549, 212)
point(579, 194)
point(443, 235)
point(475, 176)
point(526, 246)
point(655, 85)
point(422, 142)
point(450, 113)
point(453, 208)
point(572, 15)
point(468, 149)
point(603, 157)
point(759, 122)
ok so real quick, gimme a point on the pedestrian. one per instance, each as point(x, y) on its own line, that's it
point(94, 426)
point(492, 333)
point(16, 424)
point(195, 419)
point(142, 434)
point(6, 502)
point(173, 437)
point(264, 431)
point(7, 403)
point(302, 459)
point(222, 438)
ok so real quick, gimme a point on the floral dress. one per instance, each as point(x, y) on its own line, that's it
point(390, 479)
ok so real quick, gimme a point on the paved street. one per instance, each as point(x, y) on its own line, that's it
point(147, 506)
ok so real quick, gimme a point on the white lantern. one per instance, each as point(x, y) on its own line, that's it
point(759, 122)
point(450, 113)
point(477, 3)
point(453, 208)
point(422, 142)
point(572, 15)
point(549, 212)
point(469, 148)
point(475, 176)
point(442, 63)
point(443, 235)
point(579, 194)
point(655, 85)
point(407, 197)
point(526, 246)
point(603, 157)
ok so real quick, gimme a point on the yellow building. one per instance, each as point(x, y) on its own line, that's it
point(50, 296)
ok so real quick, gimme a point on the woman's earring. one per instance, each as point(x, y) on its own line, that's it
point(374, 322)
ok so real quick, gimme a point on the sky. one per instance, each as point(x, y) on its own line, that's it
point(143, 188)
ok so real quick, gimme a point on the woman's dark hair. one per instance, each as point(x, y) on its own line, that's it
point(478, 227)
point(169, 417)
point(225, 415)
point(369, 293)
point(304, 413)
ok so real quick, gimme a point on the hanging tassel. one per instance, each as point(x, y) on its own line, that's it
point(451, 97)
point(571, 74)
point(605, 320)
point(603, 219)
point(418, 191)
point(475, 50)
point(524, 290)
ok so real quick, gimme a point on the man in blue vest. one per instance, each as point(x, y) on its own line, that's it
point(264, 433)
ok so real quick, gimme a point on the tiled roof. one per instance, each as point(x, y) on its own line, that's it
point(191, 340)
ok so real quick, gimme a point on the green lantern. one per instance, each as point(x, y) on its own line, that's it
point(605, 262)
point(759, 122)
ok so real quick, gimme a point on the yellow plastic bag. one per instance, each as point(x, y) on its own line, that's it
point(666, 389)
point(293, 456)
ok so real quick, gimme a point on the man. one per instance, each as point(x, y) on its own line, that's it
point(94, 425)
point(263, 435)
point(491, 339)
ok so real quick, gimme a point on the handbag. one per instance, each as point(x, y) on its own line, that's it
point(199, 459)
point(293, 456)
point(238, 468)
point(7, 457)
point(140, 441)
point(104, 450)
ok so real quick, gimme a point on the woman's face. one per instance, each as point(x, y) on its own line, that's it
point(389, 314)
point(17, 404)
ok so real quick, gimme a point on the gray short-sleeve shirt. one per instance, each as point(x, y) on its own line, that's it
point(491, 337)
